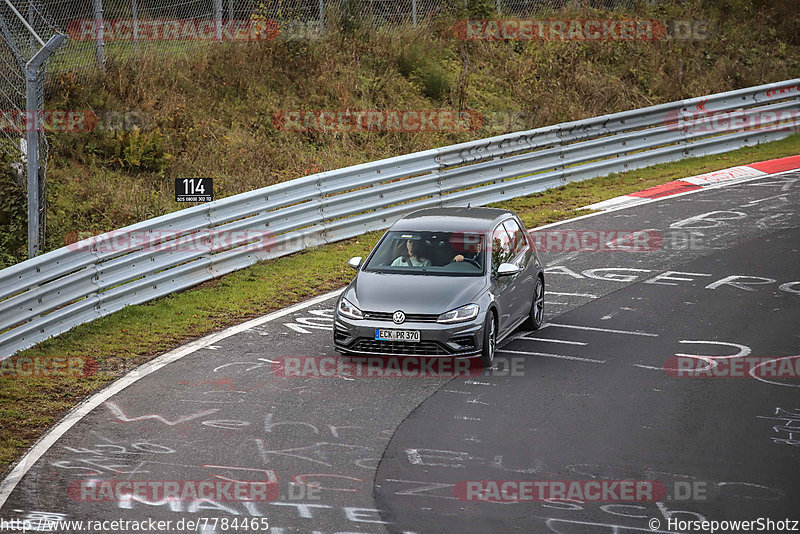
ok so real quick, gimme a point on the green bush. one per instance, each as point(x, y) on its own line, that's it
point(134, 150)
point(415, 61)
point(349, 18)
point(436, 82)
point(481, 9)
point(409, 59)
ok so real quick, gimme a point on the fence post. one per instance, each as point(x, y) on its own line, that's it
point(32, 157)
point(498, 7)
point(135, 13)
point(99, 41)
point(230, 10)
point(218, 18)
point(32, 80)
point(321, 16)
point(414, 12)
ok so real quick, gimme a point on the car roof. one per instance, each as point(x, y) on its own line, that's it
point(460, 219)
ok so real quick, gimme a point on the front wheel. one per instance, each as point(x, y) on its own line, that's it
point(536, 317)
point(489, 340)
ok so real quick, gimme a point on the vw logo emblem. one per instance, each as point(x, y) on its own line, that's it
point(398, 317)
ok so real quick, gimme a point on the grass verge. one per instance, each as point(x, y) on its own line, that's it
point(136, 334)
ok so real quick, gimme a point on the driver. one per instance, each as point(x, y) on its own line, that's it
point(468, 244)
point(413, 256)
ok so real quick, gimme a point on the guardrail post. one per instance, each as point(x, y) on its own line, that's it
point(560, 167)
point(323, 220)
point(683, 126)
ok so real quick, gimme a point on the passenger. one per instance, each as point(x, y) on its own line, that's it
point(413, 257)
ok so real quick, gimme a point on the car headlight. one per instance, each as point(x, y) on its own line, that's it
point(464, 313)
point(347, 309)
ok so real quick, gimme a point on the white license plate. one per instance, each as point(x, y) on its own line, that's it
point(397, 335)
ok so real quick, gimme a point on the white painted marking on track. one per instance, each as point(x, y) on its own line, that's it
point(773, 382)
point(608, 330)
point(549, 355)
point(81, 410)
point(566, 342)
point(476, 383)
point(588, 295)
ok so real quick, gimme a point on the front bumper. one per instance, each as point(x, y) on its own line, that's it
point(460, 340)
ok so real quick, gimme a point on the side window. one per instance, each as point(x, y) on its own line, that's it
point(520, 242)
point(502, 247)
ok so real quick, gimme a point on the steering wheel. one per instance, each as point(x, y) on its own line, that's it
point(473, 262)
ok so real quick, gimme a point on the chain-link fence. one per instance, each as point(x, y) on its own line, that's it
point(29, 37)
point(94, 30)
point(101, 28)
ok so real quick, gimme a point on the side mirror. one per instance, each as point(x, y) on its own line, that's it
point(355, 262)
point(507, 269)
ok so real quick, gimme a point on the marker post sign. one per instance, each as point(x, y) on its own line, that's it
point(194, 189)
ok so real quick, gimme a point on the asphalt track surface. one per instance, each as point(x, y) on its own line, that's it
point(589, 399)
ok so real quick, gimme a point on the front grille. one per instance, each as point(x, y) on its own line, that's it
point(415, 317)
point(423, 348)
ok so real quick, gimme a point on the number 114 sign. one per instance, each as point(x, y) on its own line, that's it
point(194, 189)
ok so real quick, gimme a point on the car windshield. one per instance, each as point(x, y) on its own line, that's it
point(432, 253)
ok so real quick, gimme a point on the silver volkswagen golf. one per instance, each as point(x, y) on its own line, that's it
point(448, 282)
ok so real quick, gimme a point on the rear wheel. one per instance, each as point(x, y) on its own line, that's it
point(536, 317)
point(489, 340)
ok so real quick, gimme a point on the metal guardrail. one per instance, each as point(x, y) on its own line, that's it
point(54, 292)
